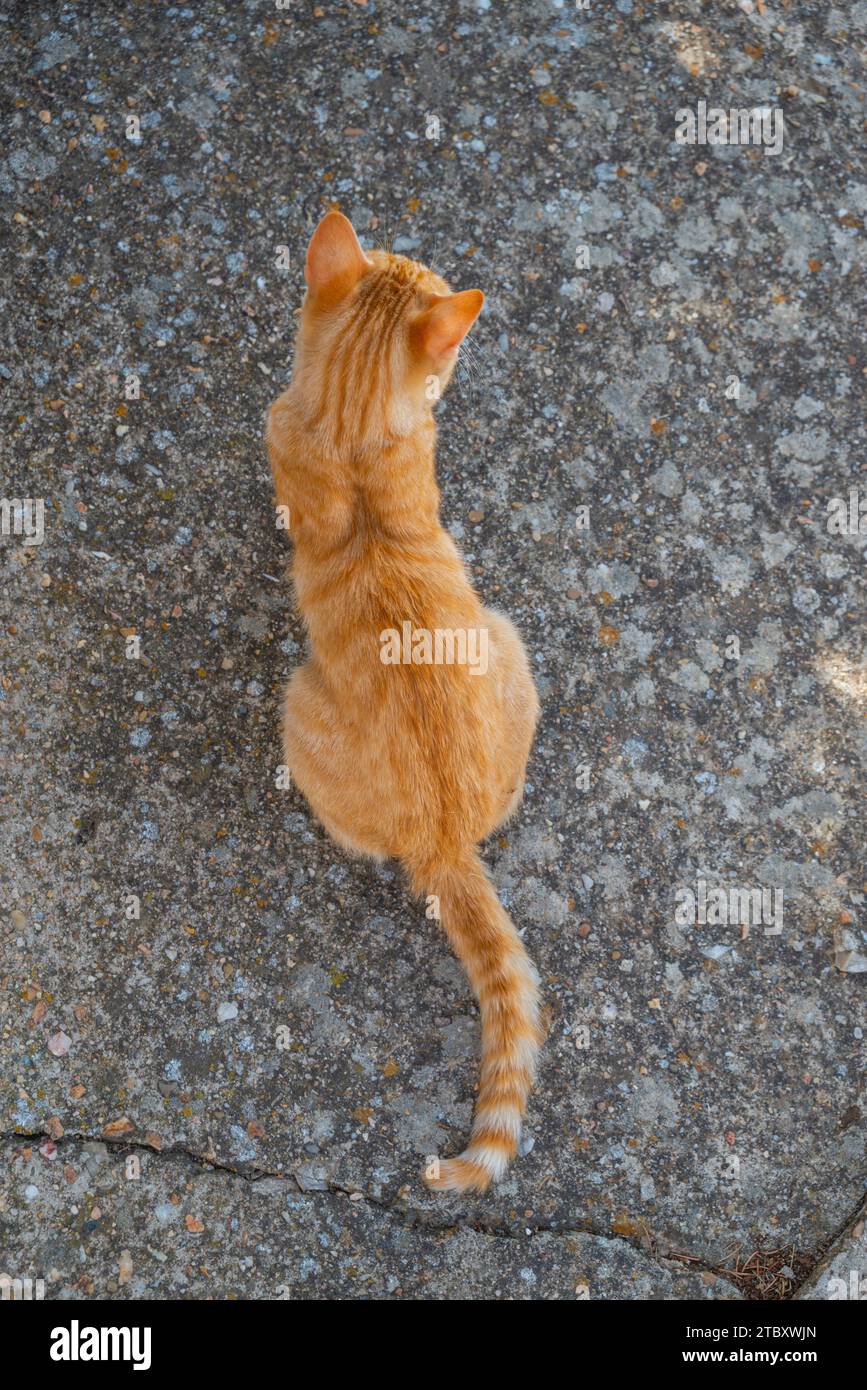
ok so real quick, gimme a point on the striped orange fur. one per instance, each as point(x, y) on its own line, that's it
point(414, 760)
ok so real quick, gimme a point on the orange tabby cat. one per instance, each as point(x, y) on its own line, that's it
point(401, 751)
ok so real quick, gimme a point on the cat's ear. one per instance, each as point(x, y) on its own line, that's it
point(444, 325)
point(335, 260)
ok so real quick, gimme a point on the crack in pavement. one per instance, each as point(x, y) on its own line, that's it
point(413, 1218)
point(416, 1219)
point(826, 1251)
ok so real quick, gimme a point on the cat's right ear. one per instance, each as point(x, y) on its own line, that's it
point(444, 325)
point(335, 260)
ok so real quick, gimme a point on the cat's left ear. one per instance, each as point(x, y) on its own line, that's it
point(335, 260)
point(443, 327)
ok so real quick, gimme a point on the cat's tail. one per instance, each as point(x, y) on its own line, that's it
point(484, 938)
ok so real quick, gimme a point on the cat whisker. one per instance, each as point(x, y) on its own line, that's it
point(472, 353)
point(465, 377)
point(470, 361)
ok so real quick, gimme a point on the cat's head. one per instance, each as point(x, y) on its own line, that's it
point(379, 336)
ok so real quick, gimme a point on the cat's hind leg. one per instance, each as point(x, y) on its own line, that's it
point(519, 714)
point(328, 767)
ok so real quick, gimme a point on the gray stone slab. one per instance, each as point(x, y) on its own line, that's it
point(699, 649)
